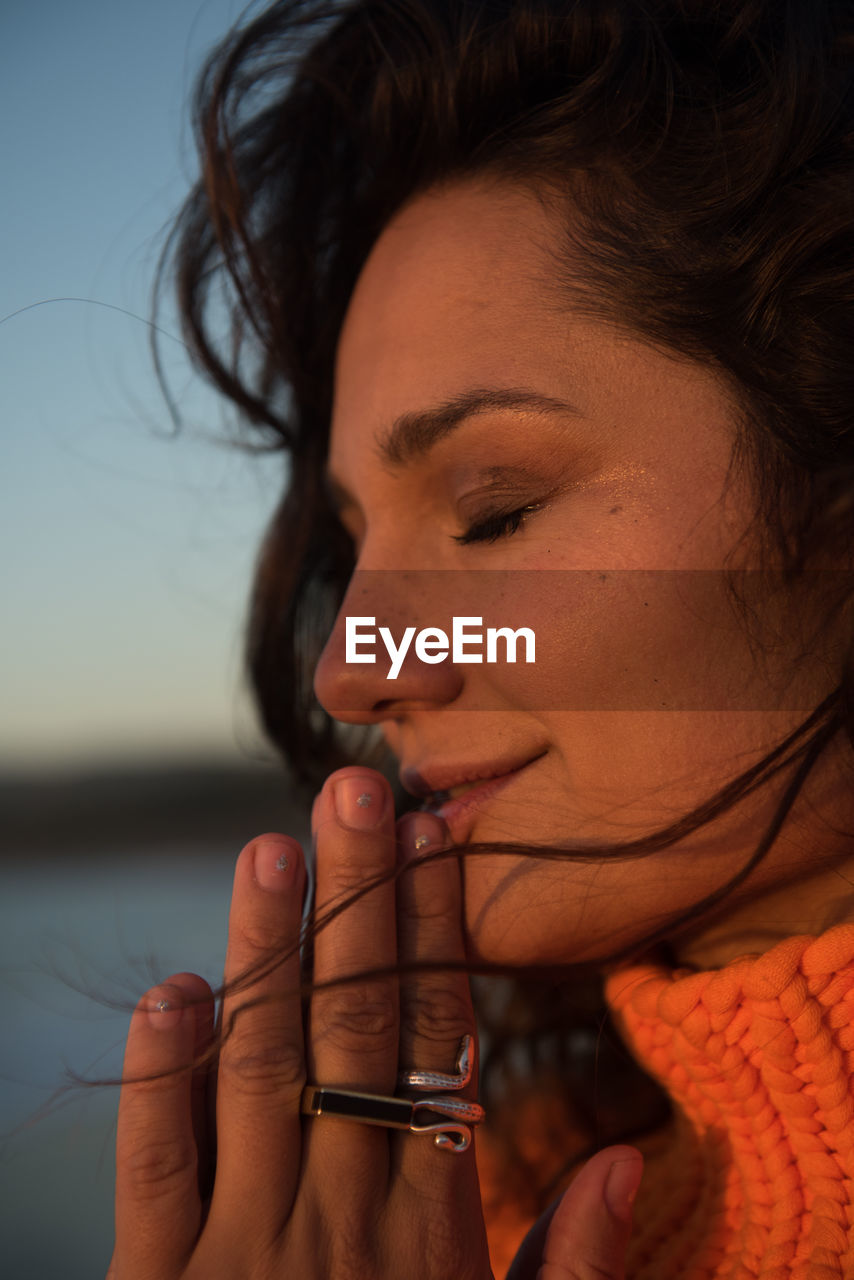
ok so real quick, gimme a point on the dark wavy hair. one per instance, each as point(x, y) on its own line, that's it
point(706, 153)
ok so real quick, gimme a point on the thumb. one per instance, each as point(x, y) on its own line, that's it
point(591, 1225)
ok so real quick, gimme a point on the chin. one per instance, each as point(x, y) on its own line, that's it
point(532, 924)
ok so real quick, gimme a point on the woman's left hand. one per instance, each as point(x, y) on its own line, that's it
point(318, 1199)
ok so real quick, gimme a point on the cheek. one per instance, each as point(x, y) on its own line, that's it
point(625, 640)
point(614, 778)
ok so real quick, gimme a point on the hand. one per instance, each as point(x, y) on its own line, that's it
point(584, 1234)
point(293, 1197)
point(318, 1199)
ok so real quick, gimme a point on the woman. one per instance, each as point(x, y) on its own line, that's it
point(548, 304)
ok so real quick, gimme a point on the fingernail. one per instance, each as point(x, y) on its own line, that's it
point(420, 833)
point(621, 1187)
point(359, 801)
point(275, 864)
point(164, 1008)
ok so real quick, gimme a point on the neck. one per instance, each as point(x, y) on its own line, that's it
point(804, 885)
point(809, 903)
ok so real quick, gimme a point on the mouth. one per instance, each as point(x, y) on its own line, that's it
point(439, 797)
point(458, 803)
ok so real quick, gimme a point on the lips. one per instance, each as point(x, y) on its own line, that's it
point(441, 779)
point(466, 788)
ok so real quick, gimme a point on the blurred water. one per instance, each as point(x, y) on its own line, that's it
point(112, 926)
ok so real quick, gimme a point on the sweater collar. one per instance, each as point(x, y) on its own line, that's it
point(756, 1174)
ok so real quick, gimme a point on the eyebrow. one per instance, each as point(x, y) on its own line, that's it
point(413, 435)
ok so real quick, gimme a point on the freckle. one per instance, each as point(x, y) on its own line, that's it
point(645, 603)
point(615, 511)
point(603, 577)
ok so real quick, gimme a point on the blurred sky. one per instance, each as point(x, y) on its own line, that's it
point(126, 554)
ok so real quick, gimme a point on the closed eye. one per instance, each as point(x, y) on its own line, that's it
point(498, 524)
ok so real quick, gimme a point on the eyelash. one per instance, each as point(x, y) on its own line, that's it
point(498, 524)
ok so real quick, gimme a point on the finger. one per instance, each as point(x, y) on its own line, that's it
point(436, 1008)
point(590, 1228)
point(204, 1131)
point(261, 1067)
point(354, 1026)
point(158, 1210)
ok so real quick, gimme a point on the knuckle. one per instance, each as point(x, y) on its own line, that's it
point(350, 871)
point(356, 1018)
point(353, 1254)
point(253, 1066)
point(157, 1167)
point(435, 908)
point(261, 936)
point(353, 1263)
point(436, 1013)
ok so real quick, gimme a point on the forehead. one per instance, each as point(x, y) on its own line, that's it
point(461, 292)
point(455, 293)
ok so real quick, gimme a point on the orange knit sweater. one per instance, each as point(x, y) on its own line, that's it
point(756, 1178)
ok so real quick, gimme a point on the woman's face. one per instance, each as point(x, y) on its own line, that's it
point(643, 697)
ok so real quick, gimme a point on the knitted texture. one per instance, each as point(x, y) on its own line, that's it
point(757, 1178)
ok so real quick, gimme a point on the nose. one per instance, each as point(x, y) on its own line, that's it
point(397, 680)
